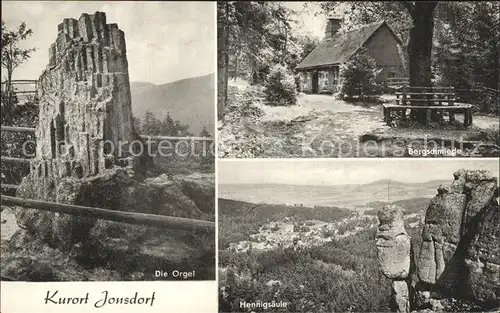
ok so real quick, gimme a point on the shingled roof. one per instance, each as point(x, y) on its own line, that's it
point(338, 49)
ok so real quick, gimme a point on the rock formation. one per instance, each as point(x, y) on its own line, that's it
point(83, 157)
point(459, 255)
point(84, 101)
point(393, 252)
point(85, 116)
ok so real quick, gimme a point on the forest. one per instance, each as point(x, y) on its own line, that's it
point(151, 125)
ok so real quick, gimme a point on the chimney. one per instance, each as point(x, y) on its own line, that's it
point(332, 26)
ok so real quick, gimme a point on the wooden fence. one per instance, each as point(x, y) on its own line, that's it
point(398, 81)
point(156, 139)
point(484, 99)
point(152, 137)
point(21, 86)
point(111, 215)
point(169, 222)
point(77, 210)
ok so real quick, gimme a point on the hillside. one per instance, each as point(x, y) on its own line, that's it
point(189, 100)
point(305, 256)
point(333, 195)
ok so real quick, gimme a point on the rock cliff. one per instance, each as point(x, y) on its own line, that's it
point(458, 266)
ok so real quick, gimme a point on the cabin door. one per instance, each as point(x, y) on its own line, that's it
point(315, 78)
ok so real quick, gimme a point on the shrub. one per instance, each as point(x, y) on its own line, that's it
point(358, 75)
point(280, 87)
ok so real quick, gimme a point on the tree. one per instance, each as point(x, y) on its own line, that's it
point(168, 126)
point(420, 41)
point(252, 36)
point(280, 87)
point(358, 75)
point(204, 133)
point(466, 48)
point(308, 44)
point(150, 124)
point(137, 124)
point(13, 56)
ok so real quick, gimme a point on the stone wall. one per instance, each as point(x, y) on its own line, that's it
point(459, 256)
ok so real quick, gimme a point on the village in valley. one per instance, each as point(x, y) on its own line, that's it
point(346, 79)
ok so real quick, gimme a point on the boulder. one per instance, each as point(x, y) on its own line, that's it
point(483, 256)
point(273, 283)
point(393, 243)
point(440, 235)
point(479, 194)
point(401, 296)
point(114, 189)
point(200, 188)
point(457, 186)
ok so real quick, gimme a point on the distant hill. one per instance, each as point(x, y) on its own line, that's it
point(334, 195)
point(234, 208)
point(189, 100)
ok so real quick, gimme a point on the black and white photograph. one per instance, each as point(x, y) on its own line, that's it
point(358, 235)
point(108, 123)
point(358, 79)
point(250, 156)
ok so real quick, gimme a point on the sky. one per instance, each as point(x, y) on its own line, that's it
point(345, 171)
point(311, 20)
point(166, 41)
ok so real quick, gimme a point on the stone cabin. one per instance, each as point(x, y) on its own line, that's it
point(320, 68)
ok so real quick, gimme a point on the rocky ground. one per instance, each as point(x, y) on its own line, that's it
point(322, 126)
point(113, 250)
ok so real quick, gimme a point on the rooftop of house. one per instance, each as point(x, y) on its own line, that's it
point(341, 46)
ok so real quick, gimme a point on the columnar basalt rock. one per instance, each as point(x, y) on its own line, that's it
point(85, 119)
point(84, 99)
point(393, 252)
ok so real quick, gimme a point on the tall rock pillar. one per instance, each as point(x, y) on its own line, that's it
point(393, 253)
point(85, 124)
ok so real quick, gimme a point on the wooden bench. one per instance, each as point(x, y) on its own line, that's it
point(441, 99)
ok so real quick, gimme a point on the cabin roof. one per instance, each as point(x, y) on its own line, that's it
point(337, 50)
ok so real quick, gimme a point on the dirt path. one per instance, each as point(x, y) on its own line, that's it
point(320, 126)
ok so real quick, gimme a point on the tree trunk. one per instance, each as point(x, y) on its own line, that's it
point(419, 50)
point(235, 73)
point(7, 112)
point(222, 60)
